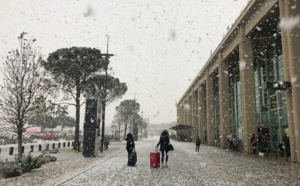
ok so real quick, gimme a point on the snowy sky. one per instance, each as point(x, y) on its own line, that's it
point(159, 46)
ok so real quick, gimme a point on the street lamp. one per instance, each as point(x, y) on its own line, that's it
point(103, 99)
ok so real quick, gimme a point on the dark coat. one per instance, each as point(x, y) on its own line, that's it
point(130, 142)
point(253, 140)
point(164, 140)
point(198, 142)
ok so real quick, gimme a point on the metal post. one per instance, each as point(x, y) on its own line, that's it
point(11, 150)
point(286, 154)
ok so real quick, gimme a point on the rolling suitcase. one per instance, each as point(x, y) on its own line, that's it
point(132, 158)
point(155, 159)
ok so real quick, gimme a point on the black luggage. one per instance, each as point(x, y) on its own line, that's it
point(132, 158)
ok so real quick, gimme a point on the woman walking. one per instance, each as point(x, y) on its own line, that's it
point(164, 140)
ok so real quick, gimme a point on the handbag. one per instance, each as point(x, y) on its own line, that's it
point(170, 147)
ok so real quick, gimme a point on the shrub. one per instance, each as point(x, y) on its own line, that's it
point(23, 164)
point(9, 169)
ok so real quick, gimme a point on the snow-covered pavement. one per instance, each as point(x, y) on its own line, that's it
point(211, 166)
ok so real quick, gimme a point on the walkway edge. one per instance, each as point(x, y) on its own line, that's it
point(58, 181)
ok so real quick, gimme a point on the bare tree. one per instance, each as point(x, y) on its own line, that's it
point(24, 86)
point(117, 123)
point(127, 109)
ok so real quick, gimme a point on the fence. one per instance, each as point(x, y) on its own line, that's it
point(12, 149)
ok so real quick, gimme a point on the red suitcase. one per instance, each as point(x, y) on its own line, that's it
point(154, 159)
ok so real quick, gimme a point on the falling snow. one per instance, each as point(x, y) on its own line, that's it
point(288, 24)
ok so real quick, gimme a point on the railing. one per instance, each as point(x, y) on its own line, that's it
point(26, 148)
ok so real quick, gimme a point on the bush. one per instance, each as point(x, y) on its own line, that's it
point(23, 164)
point(9, 169)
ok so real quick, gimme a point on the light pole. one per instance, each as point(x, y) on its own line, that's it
point(103, 99)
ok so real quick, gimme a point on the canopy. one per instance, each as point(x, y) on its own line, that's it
point(181, 127)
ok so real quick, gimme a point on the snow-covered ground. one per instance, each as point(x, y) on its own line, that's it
point(210, 166)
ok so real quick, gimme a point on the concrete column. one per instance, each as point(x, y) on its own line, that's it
point(247, 90)
point(224, 102)
point(187, 109)
point(197, 112)
point(195, 123)
point(185, 112)
point(289, 10)
point(192, 111)
point(178, 113)
point(201, 114)
point(210, 110)
point(182, 112)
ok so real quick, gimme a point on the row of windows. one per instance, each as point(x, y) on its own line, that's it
point(270, 104)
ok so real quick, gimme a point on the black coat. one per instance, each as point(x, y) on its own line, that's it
point(164, 140)
point(130, 144)
point(198, 142)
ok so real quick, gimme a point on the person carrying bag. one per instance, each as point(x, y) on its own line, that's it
point(164, 142)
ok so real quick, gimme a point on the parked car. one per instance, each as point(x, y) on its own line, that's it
point(47, 137)
point(37, 135)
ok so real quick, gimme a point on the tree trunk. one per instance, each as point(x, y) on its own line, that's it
point(19, 132)
point(76, 137)
point(125, 129)
point(103, 125)
point(119, 132)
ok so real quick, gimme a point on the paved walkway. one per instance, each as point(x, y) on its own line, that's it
point(68, 164)
point(211, 166)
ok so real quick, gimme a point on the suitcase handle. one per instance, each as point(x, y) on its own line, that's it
point(156, 149)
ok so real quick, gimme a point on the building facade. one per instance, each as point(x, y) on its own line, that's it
point(230, 95)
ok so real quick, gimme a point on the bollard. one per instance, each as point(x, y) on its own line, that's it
point(11, 150)
point(286, 154)
point(68, 144)
point(64, 144)
point(40, 147)
point(23, 148)
point(0, 150)
point(58, 145)
point(53, 145)
point(47, 146)
point(78, 146)
point(31, 148)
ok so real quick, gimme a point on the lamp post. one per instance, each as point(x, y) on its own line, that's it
point(103, 99)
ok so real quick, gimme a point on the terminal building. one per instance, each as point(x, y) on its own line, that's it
point(251, 83)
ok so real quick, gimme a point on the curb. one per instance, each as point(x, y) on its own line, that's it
point(98, 162)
